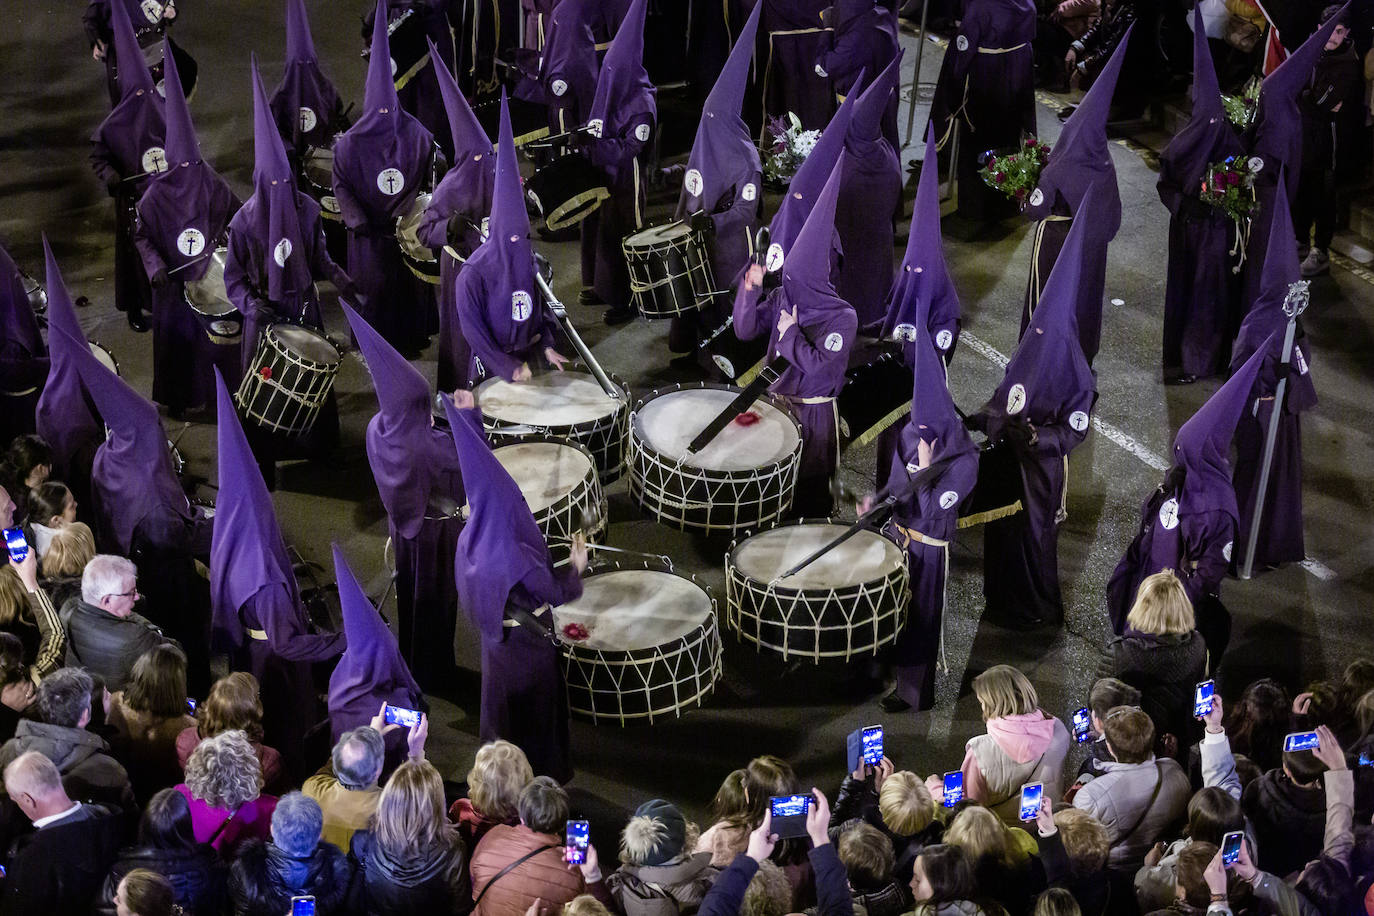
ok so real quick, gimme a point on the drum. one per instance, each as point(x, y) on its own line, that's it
point(317, 178)
point(528, 120)
point(409, 50)
point(999, 489)
point(559, 405)
point(209, 299)
point(567, 190)
point(105, 357)
point(743, 479)
point(876, 393)
point(289, 380)
point(559, 481)
point(670, 273)
point(34, 292)
point(850, 602)
point(639, 643)
point(421, 260)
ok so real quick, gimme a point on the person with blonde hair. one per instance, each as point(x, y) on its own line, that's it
point(1023, 744)
point(27, 611)
point(412, 859)
point(897, 804)
point(499, 773)
point(1001, 857)
point(764, 777)
point(234, 703)
point(659, 874)
point(223, 789)
point(1162, 655)
point(71, 548)
point(147, 716)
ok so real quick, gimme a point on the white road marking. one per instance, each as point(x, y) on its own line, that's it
point(1318, 569)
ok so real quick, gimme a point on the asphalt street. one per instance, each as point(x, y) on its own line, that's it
point(1298, 623)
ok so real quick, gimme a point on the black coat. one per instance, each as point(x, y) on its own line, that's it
point(59, 869)
point(1289, 822)
point(1165, 669)
point(263, 880)
point(434, 883)
point(197, 875)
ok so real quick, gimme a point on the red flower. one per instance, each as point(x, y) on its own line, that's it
point(1031, 143)
point(1020, 193)
point(1000, 177)
point(575, 631)
point(748, 418)
point(265, 372)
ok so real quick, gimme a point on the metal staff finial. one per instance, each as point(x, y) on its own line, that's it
point(1295, 301)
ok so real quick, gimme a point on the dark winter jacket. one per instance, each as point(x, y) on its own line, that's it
point(263, 880)
point(58, 869)
point(434, 882)
point(83, 758)
point(197, 875)
point(1165, 669)
point(1289, 821)
point(675, 888)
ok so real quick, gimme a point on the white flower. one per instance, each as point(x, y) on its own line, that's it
point(805, 142)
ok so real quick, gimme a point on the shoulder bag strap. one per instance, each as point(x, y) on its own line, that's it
point(1159, 782)
point(510, 868)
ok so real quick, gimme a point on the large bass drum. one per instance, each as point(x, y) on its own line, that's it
point(639, 643)
point(289, 380)
point(743, 479)
point(670, 270)
point(559, 405)
point(559, 481)
point(876, 394)
point(850, 602)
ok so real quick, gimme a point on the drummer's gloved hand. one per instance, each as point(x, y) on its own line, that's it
point(772, 279)
point(701, 222)
point(160, 278)
point(1021, 434)
point(262, 313)
point(457, 226)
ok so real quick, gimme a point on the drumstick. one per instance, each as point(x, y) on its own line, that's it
point(560, 312)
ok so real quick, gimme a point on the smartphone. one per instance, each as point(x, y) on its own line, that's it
point(789, 814)
point(577, 837)
point(1300, 741)
point(954, 788)
point(1082, 725)
point(191, 704)
point(873, 745)
point(1365, 760)
point(303, 906)
point(1230, 847)
point(1202, 698)
point(1031, 793)
point(17, 545)
point(399, 715)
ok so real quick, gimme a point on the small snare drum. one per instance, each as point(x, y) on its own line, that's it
point(290, 379)
point(317, 178)
point(209, 299)
point(670, 270)
point(567, 190)
point(421, 260)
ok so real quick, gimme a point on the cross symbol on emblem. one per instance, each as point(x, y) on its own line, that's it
point(1016, 402)
point(158, 161)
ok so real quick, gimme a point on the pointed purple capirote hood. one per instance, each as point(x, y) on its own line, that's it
point(1277, 129)
point(64, 415)
point(379, 92)
point(810, 178)
point(1208, 136)
point(624, 91)
point(867, 120)
point(806, 274)
point(131, 72)
point(271, 211)
point(500, 543)
point(727, 95)
point(300, 45)
point(402, 392)
point(182, 145)
point(933, 415)
point(371, 671)
point(923, 292)
point(247, 551)
point(305, 103)
point(1203, 444)
point(466, 131)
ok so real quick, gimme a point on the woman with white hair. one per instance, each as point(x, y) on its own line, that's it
point(223, 788)
point(296, 863)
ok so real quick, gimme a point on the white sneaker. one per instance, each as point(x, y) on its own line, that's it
point(1316, 263)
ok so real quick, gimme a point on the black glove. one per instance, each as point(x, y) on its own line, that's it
point(160, 278)
point(772, 279)
point(1020, 434)
point(457, 225)
point(1173, 481)
point(701, 221)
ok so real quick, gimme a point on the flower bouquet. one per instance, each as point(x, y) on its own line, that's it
point(1229, 185)
point(1240, 109)
point(788, 150)
point(1016, 173)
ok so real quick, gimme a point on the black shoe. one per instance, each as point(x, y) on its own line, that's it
point(618, 316)
point(589, 297)
point(893, 703)
point(1180, 378)
point(137, 321)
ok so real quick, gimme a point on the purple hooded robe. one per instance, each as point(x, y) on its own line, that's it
point(182, 217)
point(371, 671)
point(791, 44)
point(1049, 384)
point(126, 149)
point(927, 519)
point(452, 224)
point(150, 28)
point(305, 105)
point(257, 613)
point(816, 347)
point(503, 319)
point(1281, 528)
point(502, 560)
point(870, 201)
point(1200, 293)
point(381, 164)
point(865, 41)
point(568, 68)
point(1080, 160)
point(986, 91)
point(23, 357)
point(417, 88)
point(622, 119)
point(417, 475)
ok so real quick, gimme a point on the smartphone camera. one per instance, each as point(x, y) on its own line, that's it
point(1230, 847)
point(16, 544)
point(191, 705)
point(1082, 725)
point(1300, 741)
point(873, 745)
point(399, 715)
point(303, 906)
point(1202, 698)
point(576, 840)
point(954, 789)
point(788, 815)
point(1030, 800)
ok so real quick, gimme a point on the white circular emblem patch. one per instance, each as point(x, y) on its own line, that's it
point(154, 160)
point(834, 341)
point(485, 229)
point(1037, 197)
point(961, 43)
point(749, 191)
point(1226, 551)
point(773, 261)
point(594, 127)
point(161, 88)
point(306, 119)
point(904, 331)
point(1016, 399)
point(641, 132)
point(282, 252)
point(1168, 514)
point(191, 242)
point(152, 11)
point(912, 467)
point(693, 183)
point(1255, 163)
point(1078, 420)
point(558, 87)
point(944, 339)
point(394, 68)
point(948, 499)
point(521, 305)
point(330, 204)
point(390, 182)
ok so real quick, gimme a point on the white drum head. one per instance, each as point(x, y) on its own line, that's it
point(545, 471)
point(669, 422)
point(103, 356)
point(306, 343)
point(629, 609)
point(866, 557)
point(551, 399)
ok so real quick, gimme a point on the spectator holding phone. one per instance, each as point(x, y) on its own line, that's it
point(1107, 693)
point(1212, 814)
point(1258, 721)
point(346, 786)
point(1073, 851)
point(28, 612)
point(1288, 806)
point(297, 862)
point(902, 808)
